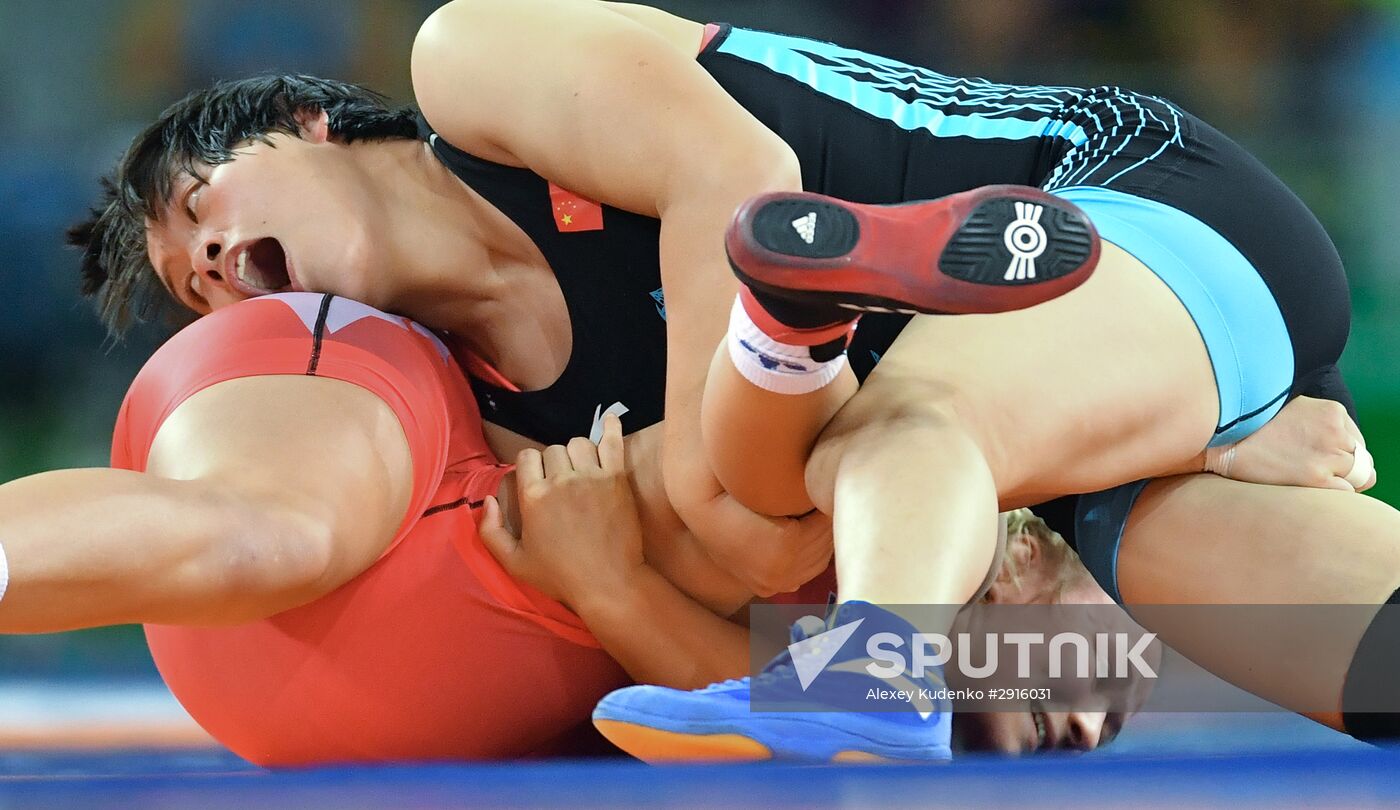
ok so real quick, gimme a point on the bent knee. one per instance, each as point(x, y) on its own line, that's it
point(911, 417)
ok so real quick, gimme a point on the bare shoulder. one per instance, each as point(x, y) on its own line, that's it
point(456, 24)
point(597, 97)
point(684, 34)
point(477, 61)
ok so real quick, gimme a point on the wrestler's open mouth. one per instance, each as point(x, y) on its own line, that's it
point(262, 266)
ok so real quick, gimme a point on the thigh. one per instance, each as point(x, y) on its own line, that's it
point(1076, 394)
point(1206, 540)
point(1249, 261)
point(1190, 185)
point(1223, 186)
point(1217, 297)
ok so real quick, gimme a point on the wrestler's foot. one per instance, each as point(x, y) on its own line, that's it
point(807, 705)
point(992, 249)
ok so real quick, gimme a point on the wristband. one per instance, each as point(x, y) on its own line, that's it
point(4, 573)
point(1219, 459)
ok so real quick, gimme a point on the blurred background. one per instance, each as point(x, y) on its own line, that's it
point(1310, 86)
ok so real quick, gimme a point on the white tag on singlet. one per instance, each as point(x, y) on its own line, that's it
point(617, 409)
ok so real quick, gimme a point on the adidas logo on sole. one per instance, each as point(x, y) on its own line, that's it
point(806, 227)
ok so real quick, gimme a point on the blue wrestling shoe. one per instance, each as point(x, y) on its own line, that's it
point(816, 703)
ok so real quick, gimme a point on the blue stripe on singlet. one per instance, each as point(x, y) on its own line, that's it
point(1239, 321)
point(872, 83)
point(1120, 118)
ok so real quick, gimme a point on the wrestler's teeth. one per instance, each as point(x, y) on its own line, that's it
point(241, 267)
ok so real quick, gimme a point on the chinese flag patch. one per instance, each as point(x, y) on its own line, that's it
point(573, 212)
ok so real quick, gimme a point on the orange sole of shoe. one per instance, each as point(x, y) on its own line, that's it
point(864, 758)
point(669, 747)
point(657, 746)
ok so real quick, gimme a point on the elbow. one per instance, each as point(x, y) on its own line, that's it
point(778, 168)
point(765, 165)
point(769, 161)
point(731, 174)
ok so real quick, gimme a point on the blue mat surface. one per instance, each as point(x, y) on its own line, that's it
point(1349, 778)
point(1241, 761)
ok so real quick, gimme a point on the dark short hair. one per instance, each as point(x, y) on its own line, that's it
point(202, 130)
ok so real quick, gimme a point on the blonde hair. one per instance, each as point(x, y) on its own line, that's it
point(1055, 551)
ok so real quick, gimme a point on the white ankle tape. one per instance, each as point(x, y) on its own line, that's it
point(4, 572)
point(775, 366)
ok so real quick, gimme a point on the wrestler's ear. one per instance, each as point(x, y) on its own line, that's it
point(1027, 547)
point(1022, 551)
point(314, 123)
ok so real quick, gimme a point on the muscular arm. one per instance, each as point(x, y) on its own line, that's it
point(661, 636)
point(595, 101)
point(261, 494)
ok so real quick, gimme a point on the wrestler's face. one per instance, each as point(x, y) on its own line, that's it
point(288, 214)
point(1030, 732)
point(1035, 730)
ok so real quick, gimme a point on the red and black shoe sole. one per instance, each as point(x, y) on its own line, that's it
point(992, 249)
